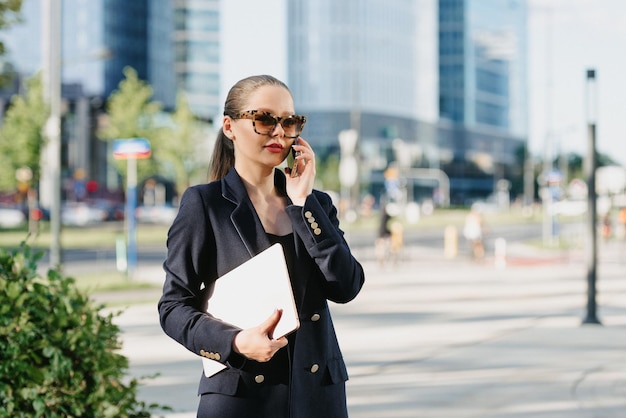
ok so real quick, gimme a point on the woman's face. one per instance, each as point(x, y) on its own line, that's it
point(270, 147)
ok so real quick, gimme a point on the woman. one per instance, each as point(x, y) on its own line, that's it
point(248, 206)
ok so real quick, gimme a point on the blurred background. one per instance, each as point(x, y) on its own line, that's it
point(414, 107)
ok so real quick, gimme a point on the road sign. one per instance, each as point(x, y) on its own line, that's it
point(138, 148)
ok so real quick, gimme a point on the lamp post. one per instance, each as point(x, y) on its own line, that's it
point(51, 157)
point(590, 174)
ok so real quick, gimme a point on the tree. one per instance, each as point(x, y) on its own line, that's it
point(329, 173)
point(185, 147)
point(131, 114)
point(21, 137)
point(9, 15)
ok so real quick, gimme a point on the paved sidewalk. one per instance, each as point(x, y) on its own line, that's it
point(430, 337)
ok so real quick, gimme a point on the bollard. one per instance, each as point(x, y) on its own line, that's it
point(120, 254)
point(450, 242)
point(500, 252)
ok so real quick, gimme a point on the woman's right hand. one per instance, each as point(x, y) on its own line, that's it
point(258, 343)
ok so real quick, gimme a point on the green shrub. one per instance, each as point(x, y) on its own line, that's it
point(58, 355)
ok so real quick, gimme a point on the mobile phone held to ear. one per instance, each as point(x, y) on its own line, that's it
point(292, 162)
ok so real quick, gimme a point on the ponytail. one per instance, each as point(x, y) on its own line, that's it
point(223, 158)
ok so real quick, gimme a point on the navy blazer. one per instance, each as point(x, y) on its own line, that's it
point(217, 229)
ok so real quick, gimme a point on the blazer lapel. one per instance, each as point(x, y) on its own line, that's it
point(244, 216)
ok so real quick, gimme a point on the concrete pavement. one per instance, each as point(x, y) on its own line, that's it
point(432, 337)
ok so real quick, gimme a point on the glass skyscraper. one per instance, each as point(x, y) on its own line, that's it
point(352, 64)
point(482, 63)
point(482, 94)
point(196, 49)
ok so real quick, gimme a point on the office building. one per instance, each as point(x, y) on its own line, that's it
point(353, 65)
point(482, 94)
point(196, 49)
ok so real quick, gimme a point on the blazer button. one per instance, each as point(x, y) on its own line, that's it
point(317, 231)
point(308, 214)
point(311, 220)
point(259, 378)
point(217, 356)
point(314, 225)
point(315, 368)
point(203, 353)
point(315, 317)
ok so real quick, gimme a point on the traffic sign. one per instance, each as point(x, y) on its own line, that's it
point(138, 148)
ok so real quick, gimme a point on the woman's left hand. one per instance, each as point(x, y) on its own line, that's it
point(299, 187)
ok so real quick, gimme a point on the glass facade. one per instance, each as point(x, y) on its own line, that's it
point(353, 56)
point(161, 52)
point(126, 35)
point(482, 94)
point(196, 54)
point(482, 63)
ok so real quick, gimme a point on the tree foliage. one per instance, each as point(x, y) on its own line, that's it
point(21, 136)
point(132, 114)
point(9, 15)
point(184, 149)
point(58, 355)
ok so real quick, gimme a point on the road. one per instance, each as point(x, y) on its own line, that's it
point(358, 239)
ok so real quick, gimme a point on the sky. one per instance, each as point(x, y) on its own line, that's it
point(567, 37)
point(253, 40)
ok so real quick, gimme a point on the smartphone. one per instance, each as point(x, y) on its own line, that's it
point(291, 161)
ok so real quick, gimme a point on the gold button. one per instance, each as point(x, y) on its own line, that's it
point(259, 378)
point(317, 231)
point(217, 356)
point(202, 353)
point(314, 225)
point(311, 220)
point(314, 368)
point(308, 214)
point(315, 317)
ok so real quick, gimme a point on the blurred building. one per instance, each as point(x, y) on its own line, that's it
point(359, 64)
point(435, 85)
point(482, 94)
point(172, 45)
point(353, 65)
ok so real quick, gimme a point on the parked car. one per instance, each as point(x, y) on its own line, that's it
point(81, 214)
point(11, 217)
point(162, 214)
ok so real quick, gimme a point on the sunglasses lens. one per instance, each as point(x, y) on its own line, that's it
point(264, 122)
point(292, 126)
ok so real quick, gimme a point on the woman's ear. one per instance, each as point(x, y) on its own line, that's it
point(227, 127)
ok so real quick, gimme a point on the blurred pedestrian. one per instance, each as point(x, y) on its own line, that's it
point(249, 205)
point(473, 232)
point(622, 223)
point(383, 242)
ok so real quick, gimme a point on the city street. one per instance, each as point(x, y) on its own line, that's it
point(431, 337)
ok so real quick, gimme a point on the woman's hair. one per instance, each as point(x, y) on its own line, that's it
point(223, 157)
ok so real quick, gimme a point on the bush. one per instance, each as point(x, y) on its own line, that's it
point(58, 354)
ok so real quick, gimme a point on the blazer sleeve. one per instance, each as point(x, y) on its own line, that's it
point(316, 223)
point(189, 276)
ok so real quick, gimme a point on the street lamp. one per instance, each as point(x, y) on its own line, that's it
point(590, 174)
